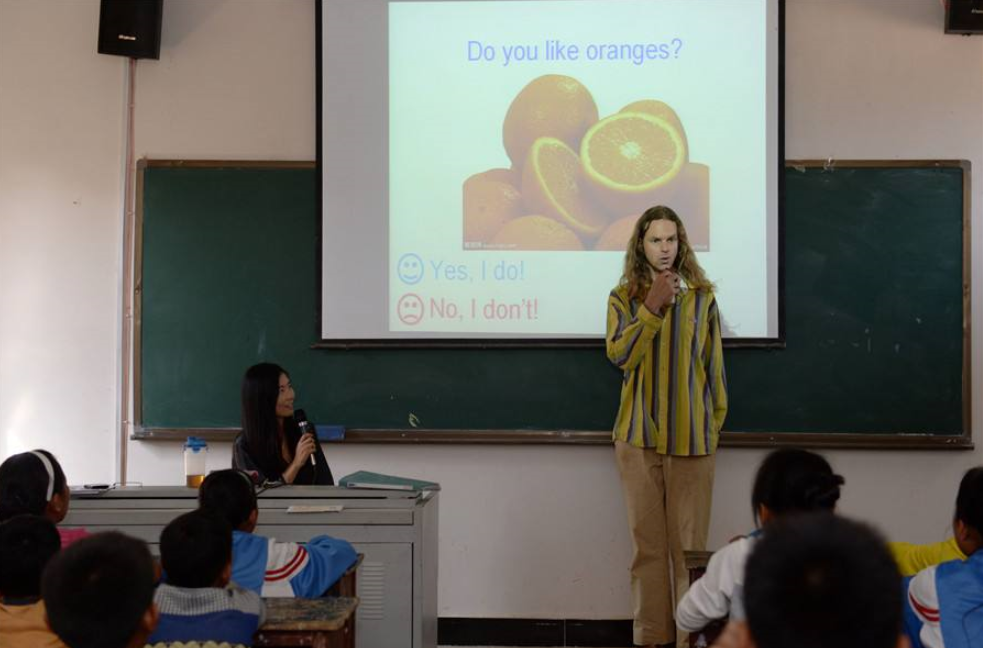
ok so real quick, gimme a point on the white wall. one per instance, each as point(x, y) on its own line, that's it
point(531, 532)
point(61, 128)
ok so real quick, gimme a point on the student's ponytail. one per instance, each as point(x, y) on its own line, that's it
point(791, 480)
point(821, 491)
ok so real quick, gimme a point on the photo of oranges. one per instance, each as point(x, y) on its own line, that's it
point(579, 181)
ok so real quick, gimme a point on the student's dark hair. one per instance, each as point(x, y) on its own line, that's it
point(97, 589)
point(822, 581)
point(24, 484)
point(195, 548)
point(791, 480)
point(969, 500)
point(228, 494)
point(260, 390)
point(27, 543)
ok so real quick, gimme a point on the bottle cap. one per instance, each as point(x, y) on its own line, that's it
point(195, 444)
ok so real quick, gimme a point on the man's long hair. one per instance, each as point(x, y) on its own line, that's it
point(637, 273)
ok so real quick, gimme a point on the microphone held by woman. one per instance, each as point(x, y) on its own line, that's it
point(306, 428)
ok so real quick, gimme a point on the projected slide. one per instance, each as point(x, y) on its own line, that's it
point(509, 146)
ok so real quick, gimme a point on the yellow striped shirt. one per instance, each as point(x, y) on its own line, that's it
point(674, 394)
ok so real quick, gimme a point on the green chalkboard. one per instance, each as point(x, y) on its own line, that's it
point(874, 281)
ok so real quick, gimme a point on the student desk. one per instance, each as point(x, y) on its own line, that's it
point(395, 530)
point(315, 623)
point(696, 565)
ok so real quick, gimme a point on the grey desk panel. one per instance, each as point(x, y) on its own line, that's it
point(370, 504)
point(369, 533)
point(99, 502)
point(120, 518)
point(388, 517)
point(279, 505)
point(316, 523)
point(282, 492)
point(425, 561)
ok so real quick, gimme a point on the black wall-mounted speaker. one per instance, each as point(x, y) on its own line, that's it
point(964, 17)
point(130, 28)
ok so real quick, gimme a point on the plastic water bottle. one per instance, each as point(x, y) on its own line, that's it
point(195, 461)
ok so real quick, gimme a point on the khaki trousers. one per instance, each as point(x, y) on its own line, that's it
point(668, 500)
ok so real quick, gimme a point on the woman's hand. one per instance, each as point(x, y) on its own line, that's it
point(305, 448)
point(302, 454)
point(664, 288)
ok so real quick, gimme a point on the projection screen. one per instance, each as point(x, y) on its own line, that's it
point(482, 162)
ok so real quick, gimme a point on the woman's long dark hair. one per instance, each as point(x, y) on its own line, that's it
point(260, 390)
point(24, 484)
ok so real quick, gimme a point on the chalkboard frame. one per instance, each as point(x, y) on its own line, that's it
point(830, 440)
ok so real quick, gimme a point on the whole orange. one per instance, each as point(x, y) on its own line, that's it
point(615, 238)
point(511, 176)
point(691, 200)
point(488, 205)
point(552, 105)
point(536, 233)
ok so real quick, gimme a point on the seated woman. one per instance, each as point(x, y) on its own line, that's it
point(271, 446)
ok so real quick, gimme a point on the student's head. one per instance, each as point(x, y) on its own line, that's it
point(27, 543)
point(230, 495)
point(267, 406)
point(968, 523)
point(791, 480)
point(33, 483)
point(99, 592)
point(822, 581)
point(659, 242)
point(196, 550)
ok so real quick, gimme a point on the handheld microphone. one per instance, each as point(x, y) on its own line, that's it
point(306, 428)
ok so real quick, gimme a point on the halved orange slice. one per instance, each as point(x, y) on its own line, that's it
point(658, 109)
point(630, 158)
point(553, 185)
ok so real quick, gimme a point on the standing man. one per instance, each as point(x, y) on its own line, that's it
point(663, 332)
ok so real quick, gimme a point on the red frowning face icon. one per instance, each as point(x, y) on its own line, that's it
point(409, 309)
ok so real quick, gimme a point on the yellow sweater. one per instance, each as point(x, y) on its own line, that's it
point(23, 626)
point(912, 558)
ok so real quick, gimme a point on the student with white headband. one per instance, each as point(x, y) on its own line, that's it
point(33, 483)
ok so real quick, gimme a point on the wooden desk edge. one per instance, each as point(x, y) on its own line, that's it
point(346, 614)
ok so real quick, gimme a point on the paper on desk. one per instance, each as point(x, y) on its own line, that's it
point(315, 508)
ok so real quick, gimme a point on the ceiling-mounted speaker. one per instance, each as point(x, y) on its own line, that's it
point(130, 28)
point(964, 17)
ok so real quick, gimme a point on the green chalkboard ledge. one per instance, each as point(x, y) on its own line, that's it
point(417, 436)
